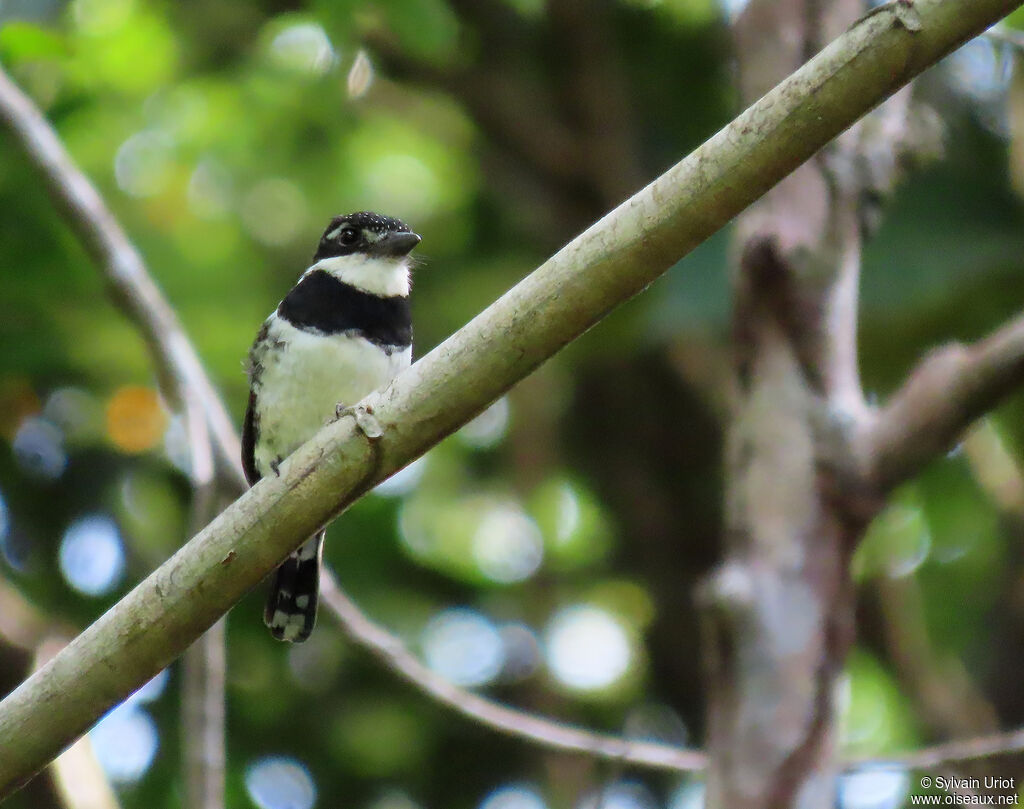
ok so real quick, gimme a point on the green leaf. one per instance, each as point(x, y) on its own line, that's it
point(22, 41)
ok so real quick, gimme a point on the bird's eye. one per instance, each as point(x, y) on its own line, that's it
point(348, 236)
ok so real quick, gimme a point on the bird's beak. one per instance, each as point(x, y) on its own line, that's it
point(395, 244)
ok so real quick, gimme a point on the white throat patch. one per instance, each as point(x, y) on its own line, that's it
point(387, 277)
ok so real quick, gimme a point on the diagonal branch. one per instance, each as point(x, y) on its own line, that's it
point(510, 721)
point(204, 664)
point(613, 260)
point(945, 394)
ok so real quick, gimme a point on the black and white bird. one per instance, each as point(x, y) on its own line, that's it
point(343, 331)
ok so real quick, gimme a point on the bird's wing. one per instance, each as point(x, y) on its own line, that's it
point(249, 441)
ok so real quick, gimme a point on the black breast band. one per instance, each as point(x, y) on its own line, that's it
point(323, 304)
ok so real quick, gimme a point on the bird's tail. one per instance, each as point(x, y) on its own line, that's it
point(291, 607)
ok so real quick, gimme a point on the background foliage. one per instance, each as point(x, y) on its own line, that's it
point(548, 552)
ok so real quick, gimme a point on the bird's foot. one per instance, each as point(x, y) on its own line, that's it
point(366, 422)
point(275, 467)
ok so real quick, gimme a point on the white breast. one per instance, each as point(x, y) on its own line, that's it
point(305, 376)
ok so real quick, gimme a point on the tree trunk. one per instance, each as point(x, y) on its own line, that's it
point(778, 612)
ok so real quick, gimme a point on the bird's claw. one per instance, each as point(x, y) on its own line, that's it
point(366, 422)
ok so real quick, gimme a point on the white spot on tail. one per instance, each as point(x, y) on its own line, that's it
point(290, 624)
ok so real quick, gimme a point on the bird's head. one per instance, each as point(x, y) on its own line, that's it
point(368, 251)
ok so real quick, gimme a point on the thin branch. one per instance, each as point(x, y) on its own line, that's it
point(937, 683)
point(510, 721)
point(613, 260)
point(22, 625)
point(123, 269)
point(995, 468)
point(78, 779)
point(77, 774)
point(202, 720)
point(1008, 743)
point(950, 389)
point(203, 665)
point(186, 386)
